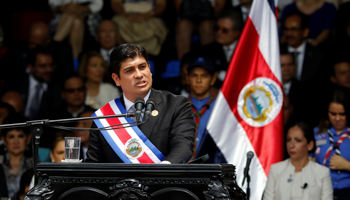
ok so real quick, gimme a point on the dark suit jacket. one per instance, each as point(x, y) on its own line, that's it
point(171, 131)
point(313, 64)
point(295, 91)
point(14, 62)
point(51, 98)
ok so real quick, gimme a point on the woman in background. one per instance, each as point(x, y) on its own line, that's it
point(14, 161)
point(333, 142)
point(93, 69)
point(57, 150)
point(298, 177)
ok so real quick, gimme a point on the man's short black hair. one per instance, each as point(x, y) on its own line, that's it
point(122, 53)
point(237, 19)
point(340, 58)
point(38, 49)
point(305, 22)
point(284, 51)
point(63, 84)
point(13, 119)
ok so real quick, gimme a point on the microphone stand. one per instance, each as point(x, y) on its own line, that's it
point(248, 185)
point(38, 125)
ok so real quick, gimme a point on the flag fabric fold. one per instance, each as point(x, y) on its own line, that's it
point(248, 113)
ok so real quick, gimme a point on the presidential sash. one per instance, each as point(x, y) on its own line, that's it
point(129, 143)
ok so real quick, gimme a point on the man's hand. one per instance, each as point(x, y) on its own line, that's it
point(339, 163)
point(312, 41)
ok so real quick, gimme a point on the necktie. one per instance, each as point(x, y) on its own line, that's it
point(132, 109)
point(228, 54)
point(296, 54)
point(35, 104)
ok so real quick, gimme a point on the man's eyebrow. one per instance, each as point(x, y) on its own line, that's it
point(127, 68)
point(143, 63)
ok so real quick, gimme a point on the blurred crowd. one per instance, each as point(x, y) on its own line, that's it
point(54, 62)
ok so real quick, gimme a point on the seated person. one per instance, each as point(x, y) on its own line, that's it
point(193, 17)
point(69, 22)
point(139, 23)
point(84, 135)
point(93, 69)
point(333, 144)
point(14, 162)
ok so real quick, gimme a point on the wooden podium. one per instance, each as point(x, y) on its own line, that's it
point(66, 181)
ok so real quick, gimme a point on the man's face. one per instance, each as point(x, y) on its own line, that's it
point(84, 135)
point(135, 78)
point(287, 67)
point(107, 35)
point(293, 32)
point(74, 92)
point(200, 81)
point(342, 74)
point(224, 33)
point(43, 68)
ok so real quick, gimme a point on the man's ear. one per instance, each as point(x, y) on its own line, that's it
point(306, 32)
point(30, 67)
point(116, 79)
point(333, 79)
point(149, 66)
point(213, 79)
point(63, 95)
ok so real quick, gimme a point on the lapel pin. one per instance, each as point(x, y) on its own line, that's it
point(290, 179)
point(154, 113)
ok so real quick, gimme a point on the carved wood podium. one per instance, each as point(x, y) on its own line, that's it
point(66, 181)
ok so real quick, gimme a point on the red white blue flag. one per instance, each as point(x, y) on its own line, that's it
point(248, 112)
point(129, 143)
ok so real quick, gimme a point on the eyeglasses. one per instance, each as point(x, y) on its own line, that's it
point(72, 90)
point(47, 65)
point(223, 30)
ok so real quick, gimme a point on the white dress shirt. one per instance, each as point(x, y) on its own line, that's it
point(229, 50)
point(245, 13)
point(106, 54)
point(299, 60)
point(286, 87)
point(129, 104)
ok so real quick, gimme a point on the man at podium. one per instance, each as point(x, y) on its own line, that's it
point(166, 136)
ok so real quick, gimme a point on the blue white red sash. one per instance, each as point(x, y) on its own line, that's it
point(130, 144)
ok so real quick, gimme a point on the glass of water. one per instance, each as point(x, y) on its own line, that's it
point(72, 149)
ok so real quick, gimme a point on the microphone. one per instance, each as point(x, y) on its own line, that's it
point(150, 105)
point(250, 156)
point(304, 186)
point(139, 105)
